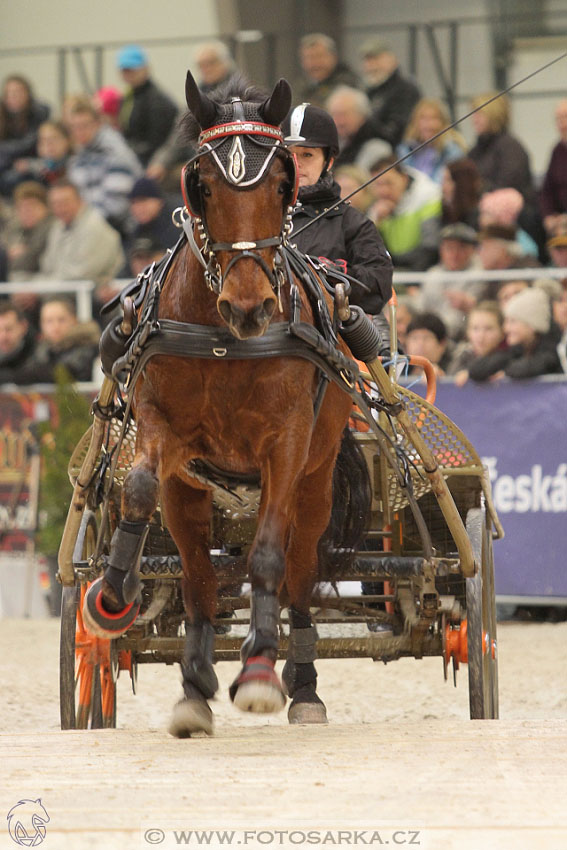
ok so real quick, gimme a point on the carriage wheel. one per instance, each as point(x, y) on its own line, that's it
point(87, 685)
point(489, 601)
point(69, 599)
point(481, 622)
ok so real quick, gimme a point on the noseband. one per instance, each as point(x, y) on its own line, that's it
point(242, 150)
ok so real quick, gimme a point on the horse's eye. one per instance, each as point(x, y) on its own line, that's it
point(205, 190)
point(283, 188)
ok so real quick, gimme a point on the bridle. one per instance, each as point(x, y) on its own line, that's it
point(259, 143)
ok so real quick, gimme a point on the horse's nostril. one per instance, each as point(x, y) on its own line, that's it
point(224, 309)
point(269, 307)
point(247, 323)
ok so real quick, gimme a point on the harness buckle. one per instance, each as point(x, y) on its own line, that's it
point(179, 216)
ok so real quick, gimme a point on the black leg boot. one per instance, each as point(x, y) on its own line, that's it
point(299, 674)
point(112, 602)
point(121, 583)
point(257, 687)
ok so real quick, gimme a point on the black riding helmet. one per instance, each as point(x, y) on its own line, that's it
point(311, 127)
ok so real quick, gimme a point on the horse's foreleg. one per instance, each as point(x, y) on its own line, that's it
point(112, 602)
point(266, 570)
point(257, 688)
point(188, 516)
point(140, 493)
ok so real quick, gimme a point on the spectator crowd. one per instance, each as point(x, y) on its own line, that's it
point(88, 194)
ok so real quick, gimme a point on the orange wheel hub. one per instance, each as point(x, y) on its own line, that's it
point(92, 652)
point(456, 644)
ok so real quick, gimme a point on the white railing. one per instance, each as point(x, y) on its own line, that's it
point(494, 275)
point(82, 289)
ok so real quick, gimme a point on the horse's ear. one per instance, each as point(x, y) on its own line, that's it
point(276, 107)
point(202, 107)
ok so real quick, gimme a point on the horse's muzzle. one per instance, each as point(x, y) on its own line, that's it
point(247, 323)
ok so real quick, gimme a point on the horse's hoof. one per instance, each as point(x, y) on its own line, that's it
point(258, 688)
point(191, 716)
point(102, 623)
point(259, 697)
point(307, 712)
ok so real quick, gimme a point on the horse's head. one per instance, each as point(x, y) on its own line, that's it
point(239, 187)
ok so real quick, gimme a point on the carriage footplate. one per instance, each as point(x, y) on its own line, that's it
point(257, 688)
point(112, 602)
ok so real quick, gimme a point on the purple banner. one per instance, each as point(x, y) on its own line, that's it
point(519, 429)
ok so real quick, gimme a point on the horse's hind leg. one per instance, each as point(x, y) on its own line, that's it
point(112, 603)
point(188, 516)
point(299, 674)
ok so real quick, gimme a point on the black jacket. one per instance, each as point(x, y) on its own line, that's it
point(317, 92)
point(160, 230)
point(76, 352)
point(519, 364)
point(19, 355)
point(352, 149)
point(503, 162)
point(16, 143)
point(345, 233)
point(392, 104)
point(147, 116)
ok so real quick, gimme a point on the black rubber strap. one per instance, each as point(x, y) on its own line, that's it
point(303, 645)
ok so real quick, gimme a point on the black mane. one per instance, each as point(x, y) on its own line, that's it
point(237, 86)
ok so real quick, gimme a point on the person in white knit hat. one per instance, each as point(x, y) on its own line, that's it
point(527, 314)
point(532, 338)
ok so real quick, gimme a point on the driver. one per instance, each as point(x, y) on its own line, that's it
point(344, 235)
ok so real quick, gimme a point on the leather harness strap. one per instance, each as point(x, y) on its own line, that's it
point(182, 339)
point(155, 336)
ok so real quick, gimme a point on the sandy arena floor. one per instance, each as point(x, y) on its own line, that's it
point(400, 761)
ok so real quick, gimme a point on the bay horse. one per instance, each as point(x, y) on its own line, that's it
point(245, 417)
